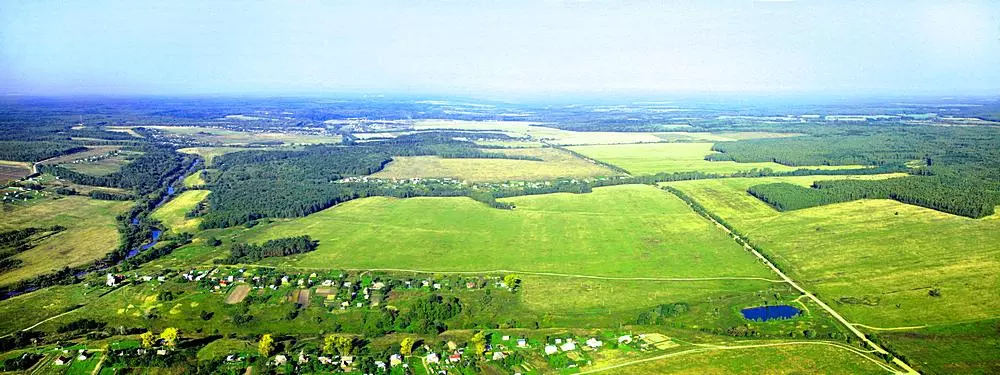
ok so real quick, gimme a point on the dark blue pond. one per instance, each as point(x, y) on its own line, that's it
point(765, 313)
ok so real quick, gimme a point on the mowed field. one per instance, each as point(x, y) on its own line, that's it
point(555, 164)
point(194, 179)
point(625, 231)
point(209, 153)
point(13, 170)
point(90, 233)
point(675, 157)
point(172, 213)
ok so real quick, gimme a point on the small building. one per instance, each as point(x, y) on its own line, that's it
point(505, 338)
point(346, 360)
point(61, 361)
point(551, 349)
point(161, 351)
point(395, 360)
point(452, 345)
point(280, 360)
point(433, 358)
point(499, 356)
point(380, 365)
point(594, 343)
point(627, 339)
point(325, 360)
point(522, 343)
point(569, 346)
point(454, 358)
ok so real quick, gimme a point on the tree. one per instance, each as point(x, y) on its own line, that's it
point(169, 336)
point(511, 281)
point(478, 343)
point(342, 345)
point(266, 345)
point(147, 339)
point(406, 346)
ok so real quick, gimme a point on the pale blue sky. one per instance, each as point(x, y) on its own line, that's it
point(505, 47)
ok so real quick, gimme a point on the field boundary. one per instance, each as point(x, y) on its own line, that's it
point(746, 245)
point(532, 273)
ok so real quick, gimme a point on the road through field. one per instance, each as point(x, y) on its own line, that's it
point(746, 245)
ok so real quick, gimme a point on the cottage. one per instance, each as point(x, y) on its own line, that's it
point(325, 360)
point(550, 349)
point(454, 358)
point(395, 360)
point(280, 359)
point(505, 338)
point(346, 360)
point(303, 358)
point(161, 352)
point(378, 285)
point(60, 361)
point(522, 343)
point(380, 365)
point(433, 358)
point(82, 356)
point(569, 346)
point(594, 343)
point(499, 356)
point(627, 339)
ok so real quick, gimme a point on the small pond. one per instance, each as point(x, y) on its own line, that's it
point(765, 313)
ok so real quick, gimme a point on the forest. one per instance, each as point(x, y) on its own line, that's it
point(144, 174)
point(925, 191)
point(249, 253)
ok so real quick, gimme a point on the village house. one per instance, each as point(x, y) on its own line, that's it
point(60, 361)
point(551, 349)
point(395, 360)
point(455, 358)
point(594, 343)
point(280, 360)
point(433, 358)
point(522, 343)
point(568, 346)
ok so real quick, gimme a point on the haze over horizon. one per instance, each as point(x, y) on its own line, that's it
point(502, 48)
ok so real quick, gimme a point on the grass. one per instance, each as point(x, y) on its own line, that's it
point(790, 359)
point(630, 231)
point(25, 310)
point(13, 170)
point(89, 152)
point(232, 137)
point(555, 163)
point(222, 347)
point(172, 213)
point(963, 348)
point(209, 153)
point(194, 179)
point(874, 261)
point(675, 157)
point(91, 233)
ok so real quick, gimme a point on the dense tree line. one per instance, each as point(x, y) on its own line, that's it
point(249, 253)
point(110, 195)
point(971, 201)
point(32, 151)
point(144, 174)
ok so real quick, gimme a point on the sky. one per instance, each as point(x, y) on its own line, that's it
point(499, 47)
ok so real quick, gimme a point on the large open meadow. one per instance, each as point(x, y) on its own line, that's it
point(625, 231)
point(209, 153)
point(90, 233)
point(675, 157)
point(172, 213)
point(13, 170)
point(233, 137)
point(555, 164)
point(880, 263)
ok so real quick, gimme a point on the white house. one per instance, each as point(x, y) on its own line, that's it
point(551, 349)
point(568, 346)
point(625, 339)
point(433, 358)
point(280, 359)
point(522, 343)
point(395, 360)
point(594, 343)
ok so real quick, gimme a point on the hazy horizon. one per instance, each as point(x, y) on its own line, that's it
point(500, 49)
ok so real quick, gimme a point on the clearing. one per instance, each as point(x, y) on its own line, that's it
point(172, 213)
point(241, 138)
point(209, 153)
point(676, 157)
point(90, 233)
point(13, 170)
point(555, 163)
point(628, 231)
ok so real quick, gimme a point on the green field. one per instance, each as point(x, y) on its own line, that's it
point(675, 157)
point(91, 233)
point(874, 261)
point(555, 163)
point(566, 233)
point(209, 153)
point(172, 213)
point(193, 180)
point(786, 359)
